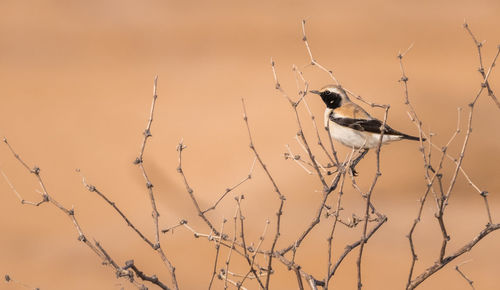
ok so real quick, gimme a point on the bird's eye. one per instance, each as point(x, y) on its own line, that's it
point(326, 93)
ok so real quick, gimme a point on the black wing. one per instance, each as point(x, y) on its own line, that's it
point(372, 126)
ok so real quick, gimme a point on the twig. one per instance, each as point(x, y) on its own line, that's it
point(245, 251)
point(276, 189)
point(300, 133)
point(249, 276)
point(153, 279)
point(9, 279)
point(336, 219)
point(313, 120)
point(224, 277)
point(479, 45)
point(140, 162)
point(471, 283)
point(22, 200)
point(109, 261)
point(313, 61)
point(293, 266)
point(96, 248)
point(190, 191)
point(350, 247)
point(228, 190)
point(316, 218)
point(228, 260)
point(92, 188)
point(368, 197)
point(426, 158)
point(69, 212)
point(299, 279)
point(211, 238)
point(217, 249)
point(297, 159)
point(336, 215)
point(261, 239)
point(443, 200)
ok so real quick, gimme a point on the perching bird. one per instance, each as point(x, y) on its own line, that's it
point(352, 126)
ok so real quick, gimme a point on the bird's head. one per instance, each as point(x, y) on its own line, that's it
point(333, 96)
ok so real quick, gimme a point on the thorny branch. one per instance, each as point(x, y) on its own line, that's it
point(464, 249)
point(47, 198)
point(442, 199)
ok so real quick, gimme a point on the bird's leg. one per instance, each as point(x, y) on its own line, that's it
point(356, 161)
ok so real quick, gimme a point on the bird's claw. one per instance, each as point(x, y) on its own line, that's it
point(353, 171)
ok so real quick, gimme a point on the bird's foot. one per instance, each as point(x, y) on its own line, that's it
point(353, 171)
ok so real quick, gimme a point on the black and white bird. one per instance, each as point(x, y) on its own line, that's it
point(351, 125)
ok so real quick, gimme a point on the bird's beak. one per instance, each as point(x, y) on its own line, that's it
point(315, 92)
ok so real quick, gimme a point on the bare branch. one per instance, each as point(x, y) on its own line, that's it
point(92, 188)
point(245, 251)
point(228, 260)
point(96, 248)
point(479, 45)
point(350, 247)
point(22, 200)
point(217, 249)
point(464, 249)
point(140, 162)
point(153, 279)
point(297, 159)
point(276, 189)
point(190, 191)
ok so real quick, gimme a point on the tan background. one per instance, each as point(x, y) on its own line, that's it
point(75, 89)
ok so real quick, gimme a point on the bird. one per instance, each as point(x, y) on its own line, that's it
point(349, 124)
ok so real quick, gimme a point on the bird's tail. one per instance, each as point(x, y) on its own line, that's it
point(408, 137)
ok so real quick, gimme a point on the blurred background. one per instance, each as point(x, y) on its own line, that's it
point(76, 81)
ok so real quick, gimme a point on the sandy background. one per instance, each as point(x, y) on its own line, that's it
point(75, 89)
